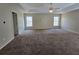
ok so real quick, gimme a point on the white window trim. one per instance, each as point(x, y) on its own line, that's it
point(58, 21)
point(27, 25)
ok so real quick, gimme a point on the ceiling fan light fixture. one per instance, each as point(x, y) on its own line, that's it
point(50, 8)
point(50, 11)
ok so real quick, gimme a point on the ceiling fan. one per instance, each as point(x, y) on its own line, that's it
point(51, 8)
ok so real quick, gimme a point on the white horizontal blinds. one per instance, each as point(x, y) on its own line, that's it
point(56, 21)
point(29, 21)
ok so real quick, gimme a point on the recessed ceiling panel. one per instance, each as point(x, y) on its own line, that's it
point(44, 7)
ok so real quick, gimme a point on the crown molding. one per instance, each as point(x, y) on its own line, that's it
point(71, 8)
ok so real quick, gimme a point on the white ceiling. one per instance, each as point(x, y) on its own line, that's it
point(44, 7)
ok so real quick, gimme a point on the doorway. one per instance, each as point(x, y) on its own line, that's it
point(15, 24)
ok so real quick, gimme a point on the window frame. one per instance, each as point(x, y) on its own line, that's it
point(29, 21)
point(58, 21)
point(25, 22)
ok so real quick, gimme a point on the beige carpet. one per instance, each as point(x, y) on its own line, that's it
point(43, 42)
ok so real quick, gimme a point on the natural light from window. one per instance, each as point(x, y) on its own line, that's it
point(56, 21)
point(29, 21)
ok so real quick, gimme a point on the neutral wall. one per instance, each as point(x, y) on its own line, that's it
point(70, 21)
point(42, 20)
point(6, 30)
point(20, 16)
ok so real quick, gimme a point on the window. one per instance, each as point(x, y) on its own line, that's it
point(28, 21)
point(56, 21)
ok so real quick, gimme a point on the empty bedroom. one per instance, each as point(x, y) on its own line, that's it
point(39, 28)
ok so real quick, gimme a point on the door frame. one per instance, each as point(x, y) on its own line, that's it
point(15, 34)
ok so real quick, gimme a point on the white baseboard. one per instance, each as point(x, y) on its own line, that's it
point(3, 45)
point(71, 31)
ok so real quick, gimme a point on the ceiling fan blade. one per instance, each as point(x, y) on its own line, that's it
point(56, 8)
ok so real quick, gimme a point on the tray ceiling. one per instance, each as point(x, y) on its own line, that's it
point(44, 7)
